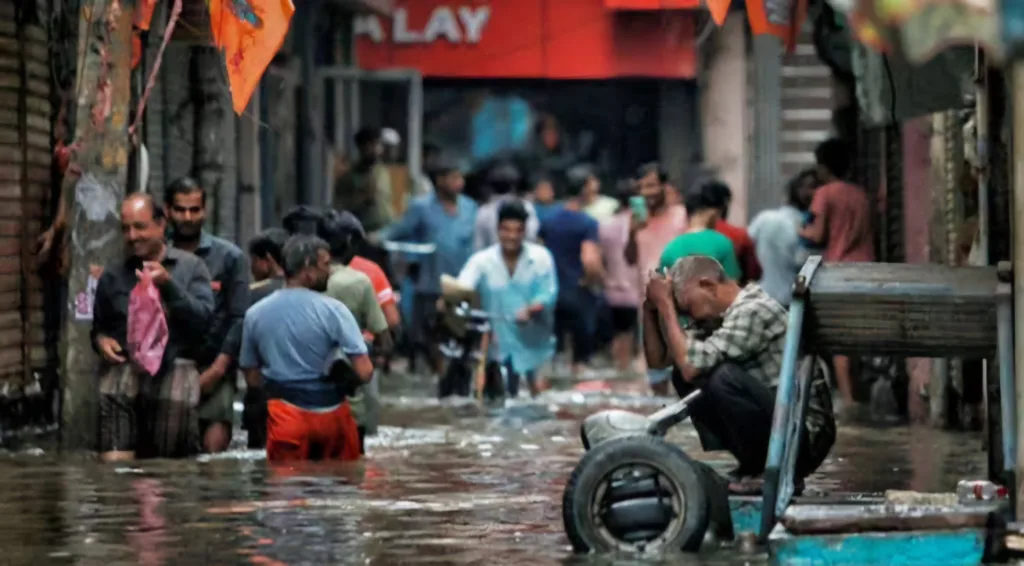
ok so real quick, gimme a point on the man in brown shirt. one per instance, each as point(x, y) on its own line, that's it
point(841, 222)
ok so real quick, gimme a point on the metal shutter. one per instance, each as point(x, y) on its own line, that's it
point(25, 182)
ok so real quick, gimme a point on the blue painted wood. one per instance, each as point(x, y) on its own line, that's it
point(949, 548)
point(746, 514)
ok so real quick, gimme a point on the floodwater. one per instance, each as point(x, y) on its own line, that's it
point(442, 484)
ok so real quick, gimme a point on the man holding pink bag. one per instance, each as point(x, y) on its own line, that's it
point(148, 409)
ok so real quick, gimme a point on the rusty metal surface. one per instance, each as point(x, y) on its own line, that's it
point(25, 184)
point(902, 310)
point(873, 517)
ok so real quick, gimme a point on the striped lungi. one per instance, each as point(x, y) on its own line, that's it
point(156, 417)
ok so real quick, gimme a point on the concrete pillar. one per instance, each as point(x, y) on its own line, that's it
point(679, 142)
point(724, 109)
point(766, 185)
point(104, 157)
point(250, 212)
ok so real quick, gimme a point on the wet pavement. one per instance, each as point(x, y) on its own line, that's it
point(442, 484)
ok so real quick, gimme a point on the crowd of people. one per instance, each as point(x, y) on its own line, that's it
point(310, 312)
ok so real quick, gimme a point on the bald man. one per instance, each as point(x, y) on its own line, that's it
point(731, 348)
point(142, 414)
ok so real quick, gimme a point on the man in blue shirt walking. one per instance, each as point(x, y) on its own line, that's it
point(295, 344)
point(571, 236)
point(446, 219)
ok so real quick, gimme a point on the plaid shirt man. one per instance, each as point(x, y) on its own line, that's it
point(752, 336)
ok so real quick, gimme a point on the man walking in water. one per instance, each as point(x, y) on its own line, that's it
point(153, 415)
point(517, 285)
point(268, 276)
point(571, 237)
point(290, 340)
point(446, 219)
point(841, 222)
point(355, 290)
point(186, 206)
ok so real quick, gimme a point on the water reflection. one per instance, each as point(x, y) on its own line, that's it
point(445, 483)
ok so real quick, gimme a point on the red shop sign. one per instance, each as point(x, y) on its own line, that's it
point(561, 39)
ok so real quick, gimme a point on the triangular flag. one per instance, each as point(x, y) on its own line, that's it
point(719, 10)
point(249, 33)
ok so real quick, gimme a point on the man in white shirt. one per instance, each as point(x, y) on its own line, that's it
point(518, 286)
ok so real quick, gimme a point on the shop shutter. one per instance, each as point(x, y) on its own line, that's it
point(25, 183)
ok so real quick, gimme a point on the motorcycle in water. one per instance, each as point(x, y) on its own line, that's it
point(468, 330)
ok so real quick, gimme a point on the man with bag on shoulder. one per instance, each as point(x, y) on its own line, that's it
point(306, 351)
point(142, 414)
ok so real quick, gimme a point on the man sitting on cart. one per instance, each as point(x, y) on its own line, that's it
point(727, 341)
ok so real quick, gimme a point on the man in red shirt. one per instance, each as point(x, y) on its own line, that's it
point(841, 222)
point(746, 252)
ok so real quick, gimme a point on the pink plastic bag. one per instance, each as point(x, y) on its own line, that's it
point(147, 325)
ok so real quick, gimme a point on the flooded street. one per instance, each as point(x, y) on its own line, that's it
point(442, 484)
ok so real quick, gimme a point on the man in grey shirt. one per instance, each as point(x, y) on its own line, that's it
point(776, 235)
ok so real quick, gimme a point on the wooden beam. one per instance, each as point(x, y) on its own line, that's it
point(93, 197)
point(815, 519)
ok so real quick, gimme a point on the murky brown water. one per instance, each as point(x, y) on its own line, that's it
point(443, 484)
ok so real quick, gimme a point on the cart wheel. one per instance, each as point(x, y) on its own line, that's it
point(635, 494)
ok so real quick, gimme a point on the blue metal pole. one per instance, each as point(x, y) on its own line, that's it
point(1007, 388)
point(784, 399)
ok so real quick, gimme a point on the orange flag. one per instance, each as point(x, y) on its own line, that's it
point(719, 10)
point(249, 33)
point(143, 17)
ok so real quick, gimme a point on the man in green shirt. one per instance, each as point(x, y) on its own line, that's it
point(355, 290)
point(700, 237)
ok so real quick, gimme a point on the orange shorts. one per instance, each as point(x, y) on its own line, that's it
point(297, 434)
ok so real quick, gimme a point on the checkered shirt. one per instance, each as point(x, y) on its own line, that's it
point(752, 335)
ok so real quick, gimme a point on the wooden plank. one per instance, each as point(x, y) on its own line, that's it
point(821, 519)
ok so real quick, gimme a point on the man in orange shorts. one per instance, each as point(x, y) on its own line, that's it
point(294, 344)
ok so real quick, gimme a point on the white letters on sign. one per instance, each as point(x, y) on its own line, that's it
point(464, 24)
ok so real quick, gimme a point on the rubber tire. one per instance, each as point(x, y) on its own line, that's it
point(615, 453)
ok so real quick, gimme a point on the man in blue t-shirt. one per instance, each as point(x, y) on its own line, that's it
point(306, 351)
point(571, 236)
